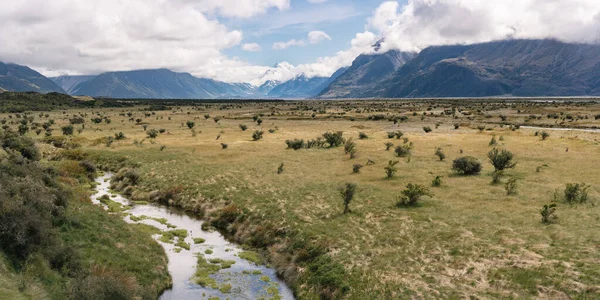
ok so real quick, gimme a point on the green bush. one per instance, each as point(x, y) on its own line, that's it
point(356, 168)
point(295, 144)
point(243, 127)
point(437, 181)
point(257, 135)
point(388, 146)
point(427, 129)
point(404, 150)
point(390, 169)
point(412, 194)
point(576, 193)
point(67, 130)
point(548, 213)
point(362, 136)
point(23, 145)
point(329, 277)
point(467, 165)
point(440, 154)
point(511, 186)
point(334, 139)
point(544, 135)
point(347, 193)
point(501, 159)
point(190, 124)
point(152, 133)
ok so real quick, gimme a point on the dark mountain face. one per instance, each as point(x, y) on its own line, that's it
point(303, 87)
point(18, 78)
point(515, 67)
point(366, 72)
point(71, 83)
point(160, 83)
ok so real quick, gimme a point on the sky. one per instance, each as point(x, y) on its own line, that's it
point(258, 40)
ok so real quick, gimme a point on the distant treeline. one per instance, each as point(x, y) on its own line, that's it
point(16, 102)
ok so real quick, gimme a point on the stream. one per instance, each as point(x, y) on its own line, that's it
point(561, 129)
point(242, 280)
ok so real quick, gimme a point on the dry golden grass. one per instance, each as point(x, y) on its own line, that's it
point(469, 239)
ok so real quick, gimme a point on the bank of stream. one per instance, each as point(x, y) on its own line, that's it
point(221, 273)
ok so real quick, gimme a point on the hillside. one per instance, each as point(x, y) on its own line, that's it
point(17, 78)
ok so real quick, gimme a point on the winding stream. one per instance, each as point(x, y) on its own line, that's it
point(245, 279)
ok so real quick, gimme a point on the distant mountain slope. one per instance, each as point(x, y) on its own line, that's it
point(71, 83)
point(303, 87)
point(514, 67)
point(160, 83)
point(19, 78)
point(366, 71)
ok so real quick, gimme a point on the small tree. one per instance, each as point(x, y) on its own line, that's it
point(350, 148)
point(412, 194)
point(119, 136)
point(259, 121)
point(347, 193)
point(217, 119)
point(257, 135)
point(356, 168)
point(467, 165)
point(548, 213)
point(390, 169)
point(388, 146)
point(440, 154)
point(437, 181)
point(243, 127)
point(206, 116)
point(544, 135)
point(224, 146)
point(427, 129)
point(501, 159)
point(190, 124)
point(280, 169)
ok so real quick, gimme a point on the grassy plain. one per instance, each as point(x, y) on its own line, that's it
point(470, 239)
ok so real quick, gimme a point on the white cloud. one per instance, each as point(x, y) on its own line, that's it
point(317, 1)
point(422, 23)
point(88, 37)
point(251, 47)
point(315, 37)
point(290, 43)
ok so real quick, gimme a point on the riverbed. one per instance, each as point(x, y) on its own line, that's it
point(242, 280)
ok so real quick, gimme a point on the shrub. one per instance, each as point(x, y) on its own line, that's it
point(493, 141)
point(316, 143)
point(259, 121)
point(330, 277)
point(456, 126)
point(362, 136)
point(501, 159)
point(437, 181)
point(224, 146)
point(412, 194)
point(243, 127)
point(481, 128)
point(388, 146)
point(390, 169)
point(67, 130)
point(119, 136)
point(190, 124)
point(347, 193)
point(23, 145)
point(497, 176)
point(334, 139)
point(440, 154)
point(511, 186)
point(391, 134)
point(427, 129)
point(356, 168)
point(152, 133)
point(206, 116)
point(404, 150)
point(295, 144)
point(217, 119)
point(280, 169)
point(466, 165)
point(226, 216)
point(257, 135)
point(544, 135)
point(548, 213)
point(350, 148)
point(576, 193)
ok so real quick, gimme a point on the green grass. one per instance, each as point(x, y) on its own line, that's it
point(251, 256)
point(199, 240)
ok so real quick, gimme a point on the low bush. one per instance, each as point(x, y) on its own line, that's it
point(427, 129)
point(576, 193)
point(257, 135)
point(295, 144)
point(347, 193)
point(362, 136)
point(412, 194)
point(467, 165)
point(548, 213)
point(440, 154)
point(334, 139)
point(404, 150)
point(356, 168)
point(390, 169)
point(437, 181)
point(501, 159)
point(388, 146)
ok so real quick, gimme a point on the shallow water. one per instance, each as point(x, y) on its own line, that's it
point(245, 284)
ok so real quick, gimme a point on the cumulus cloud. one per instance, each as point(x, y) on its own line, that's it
point(88, 37)
point(290, 43)
point(315, 37)
point(251, 47)
point(422, 23)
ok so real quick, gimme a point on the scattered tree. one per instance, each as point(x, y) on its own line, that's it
point(501, 159)
point(257, 135)
point(548, 213)
point(440, 154)
point(390, 169)
point(467, 165)
point(347, 193)
point(412, 194)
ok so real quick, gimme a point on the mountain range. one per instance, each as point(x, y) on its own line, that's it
point(500, 68)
